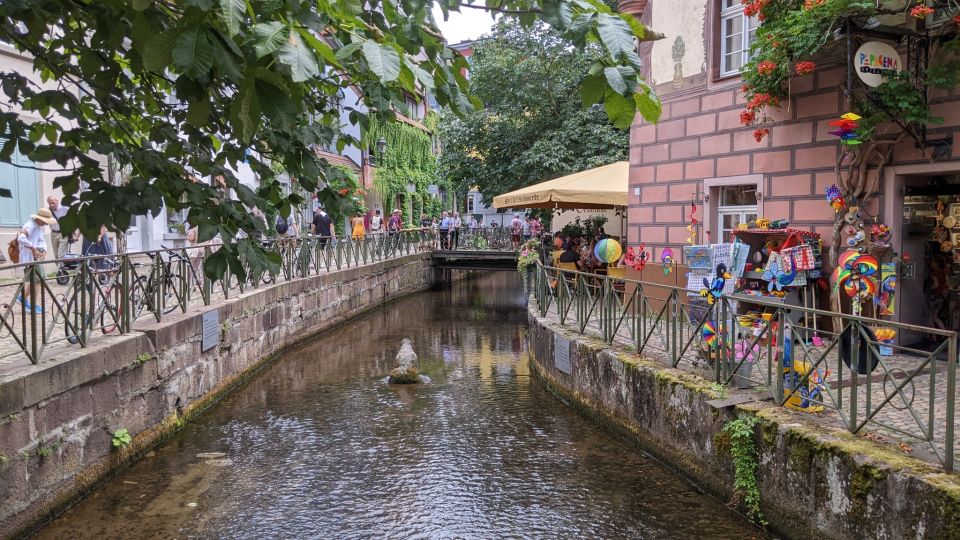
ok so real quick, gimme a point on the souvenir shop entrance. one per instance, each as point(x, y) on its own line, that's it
point(929, 288)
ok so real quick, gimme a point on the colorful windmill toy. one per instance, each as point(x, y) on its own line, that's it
point(709, 333)
point(847, 128)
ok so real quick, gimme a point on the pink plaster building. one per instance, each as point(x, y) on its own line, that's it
point(700, 153)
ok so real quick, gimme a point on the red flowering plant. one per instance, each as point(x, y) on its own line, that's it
point(795, 32)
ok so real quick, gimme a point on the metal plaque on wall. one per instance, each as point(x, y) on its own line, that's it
point(210, 331)
point(561, 354)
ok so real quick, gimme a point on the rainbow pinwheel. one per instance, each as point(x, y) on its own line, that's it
point(709, 333)
point(856, 273)
point(666, 257)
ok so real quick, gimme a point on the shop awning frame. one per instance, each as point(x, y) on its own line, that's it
point(599, 188)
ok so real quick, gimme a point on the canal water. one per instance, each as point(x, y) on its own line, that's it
point(319, 446)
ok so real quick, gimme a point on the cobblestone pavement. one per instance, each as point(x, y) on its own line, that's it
point(903, 422)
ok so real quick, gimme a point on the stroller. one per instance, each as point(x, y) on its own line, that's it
point(70, 263)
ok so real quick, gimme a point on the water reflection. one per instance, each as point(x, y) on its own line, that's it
point(318, 447)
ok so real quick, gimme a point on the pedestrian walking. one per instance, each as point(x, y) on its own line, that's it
point(323, 228)
point(426, 231)
point(358, 232)
point(59, 242)
point(33, 248)
point(376, 223)
point(525, 228)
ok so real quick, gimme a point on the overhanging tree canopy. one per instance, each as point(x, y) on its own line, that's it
point(253, 81)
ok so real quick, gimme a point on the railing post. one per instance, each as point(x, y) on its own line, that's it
point(951, 401)
point(34, 346)
point(781, 359)
point(854, 371)
point(126, 305)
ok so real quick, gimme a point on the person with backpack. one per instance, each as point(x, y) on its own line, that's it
point(32, 247)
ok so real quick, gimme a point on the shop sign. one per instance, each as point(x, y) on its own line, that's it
point(875, 62)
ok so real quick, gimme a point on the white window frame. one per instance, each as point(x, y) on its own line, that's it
point(735, 10)
point(713, 219)
point(472, 203)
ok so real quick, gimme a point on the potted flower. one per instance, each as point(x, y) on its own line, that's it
point(526, 259)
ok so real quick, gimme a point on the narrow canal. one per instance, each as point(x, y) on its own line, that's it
point(318, 446)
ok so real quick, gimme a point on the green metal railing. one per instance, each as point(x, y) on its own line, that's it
point(82, 297)
point(909, 391)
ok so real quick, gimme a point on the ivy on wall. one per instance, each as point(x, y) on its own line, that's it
point(408, 159)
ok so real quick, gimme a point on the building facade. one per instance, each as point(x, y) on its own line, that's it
point(700, 154)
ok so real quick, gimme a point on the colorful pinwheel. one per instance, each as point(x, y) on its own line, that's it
point(637, 261)
point(709, 333)
point(835, 198)
point(856, 273)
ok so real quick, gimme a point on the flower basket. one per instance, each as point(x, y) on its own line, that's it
point(879, 251)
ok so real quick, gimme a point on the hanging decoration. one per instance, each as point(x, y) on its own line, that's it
point(636, 260)
point(847, 128)
point(608, 251)
point(835, 198)
point(775, 275)
point(666, 258)
point(692, 239)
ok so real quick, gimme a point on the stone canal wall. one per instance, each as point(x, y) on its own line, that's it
point(57, 418)
point(814, 482)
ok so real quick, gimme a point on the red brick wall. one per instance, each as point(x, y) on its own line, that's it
point(699, 136)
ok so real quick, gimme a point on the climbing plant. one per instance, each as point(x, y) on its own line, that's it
point(743, 450)
point(794, 33)
point(408, 159)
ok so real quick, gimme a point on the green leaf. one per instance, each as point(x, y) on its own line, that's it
point(299, 58)
point(193, 53)
point(270, 37)
point(141, 5)
point(422, 75)
point(592, 90)
point(347, 50)
point(648, 104)
point(156, 54)
point(198, 113)
point(615, 79)
point(384, 62)
point(619, 109)
point(319, 47)
point(615, 33)
point(231, 11)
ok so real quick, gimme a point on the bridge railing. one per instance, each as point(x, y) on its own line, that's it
point(868, 384)
point(83, 297)
point(479, 239)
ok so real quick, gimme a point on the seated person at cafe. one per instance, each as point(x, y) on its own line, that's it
point(570, 254)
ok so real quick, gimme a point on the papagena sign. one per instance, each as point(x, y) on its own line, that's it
point(875, 61)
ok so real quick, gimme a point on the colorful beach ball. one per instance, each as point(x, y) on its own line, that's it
point(608, 250)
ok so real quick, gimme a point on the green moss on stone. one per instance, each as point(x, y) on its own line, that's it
point(864, 480)
point(721, 444)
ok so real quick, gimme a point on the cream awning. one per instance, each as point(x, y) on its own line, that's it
point(602, 187)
